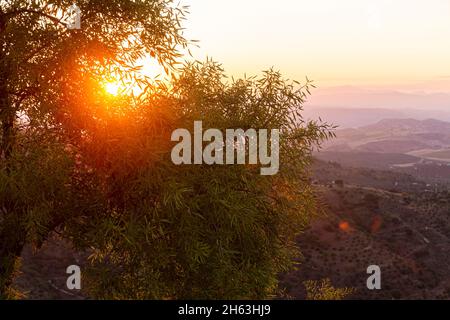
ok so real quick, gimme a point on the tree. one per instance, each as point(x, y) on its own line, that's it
point(97, 168)
point(48, 80)
point(195, 231)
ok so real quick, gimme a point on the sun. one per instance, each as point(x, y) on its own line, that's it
point(113, 88)
point(147, 67)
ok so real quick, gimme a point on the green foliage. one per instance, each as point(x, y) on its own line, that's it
point(37, 183)
point(49, 83)
point(34, 189)
point(163, 231)
point(48, 69)
point(98, 169)
point(324, 290)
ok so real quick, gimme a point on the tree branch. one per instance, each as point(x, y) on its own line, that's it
point(12, 14)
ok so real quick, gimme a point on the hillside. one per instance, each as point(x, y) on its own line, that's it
point(372, 217)
point(406, 233)
point(387, 218)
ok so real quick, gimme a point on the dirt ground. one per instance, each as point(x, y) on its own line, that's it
point(43, 272)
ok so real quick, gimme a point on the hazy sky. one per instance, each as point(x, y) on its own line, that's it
point(403, 43)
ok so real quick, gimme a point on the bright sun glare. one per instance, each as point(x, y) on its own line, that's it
point(150, 68)
point(112, 88)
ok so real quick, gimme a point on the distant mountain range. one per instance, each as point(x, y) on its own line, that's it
point(357, 117)
point(348, 106)
point(410, 126)
point(362, 97)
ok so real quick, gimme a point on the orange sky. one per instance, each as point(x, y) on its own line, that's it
point(389, 43)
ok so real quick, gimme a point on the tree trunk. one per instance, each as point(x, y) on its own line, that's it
point(7, 119)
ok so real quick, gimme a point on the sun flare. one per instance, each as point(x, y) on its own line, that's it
point(148, 68)
point(113, 88)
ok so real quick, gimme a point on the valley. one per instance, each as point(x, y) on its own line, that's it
point(420, 148)
point(383, 218)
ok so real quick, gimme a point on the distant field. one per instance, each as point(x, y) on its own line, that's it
point(367, 159)
point(392, 146)
point(443, 154)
